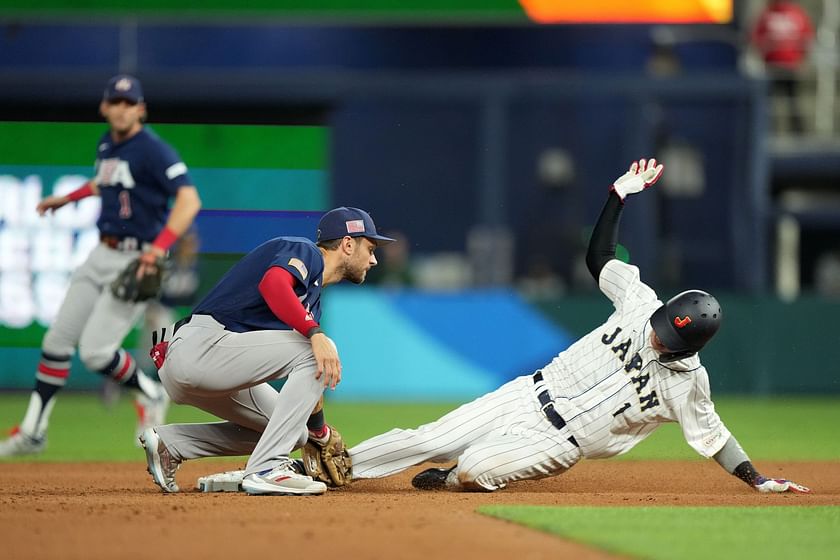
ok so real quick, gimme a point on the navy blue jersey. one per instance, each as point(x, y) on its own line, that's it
point(236, 301)
point(136, 179)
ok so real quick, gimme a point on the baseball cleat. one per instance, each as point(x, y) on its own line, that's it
point(161, 465)
point(282, 480)
point(20, 443)
point(228, 481)
point(432, 479)
point(150, 412)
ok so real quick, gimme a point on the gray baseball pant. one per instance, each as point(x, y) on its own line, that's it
point(90, 316)
point(227, 374)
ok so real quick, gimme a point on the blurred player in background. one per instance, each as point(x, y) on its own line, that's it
point(783, 35)
point(598, 398)
point(179, 288)
point(136, 175)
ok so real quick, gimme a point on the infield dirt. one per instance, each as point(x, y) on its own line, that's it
point(95, 511)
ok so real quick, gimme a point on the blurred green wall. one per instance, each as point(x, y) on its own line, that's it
point(349, 10)
point(764, 346)
point(235, 167)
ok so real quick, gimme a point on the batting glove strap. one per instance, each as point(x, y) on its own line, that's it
point(776, 485)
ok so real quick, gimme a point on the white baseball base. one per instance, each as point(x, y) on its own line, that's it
point(228, 481)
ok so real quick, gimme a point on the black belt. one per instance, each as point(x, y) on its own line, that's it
point(547, 406)
point(180, 323)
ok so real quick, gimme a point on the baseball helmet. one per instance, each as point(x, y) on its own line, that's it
point(687, 322)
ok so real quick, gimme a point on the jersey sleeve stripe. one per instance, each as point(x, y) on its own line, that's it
point(176, 170)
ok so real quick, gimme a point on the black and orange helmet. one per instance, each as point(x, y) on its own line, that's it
point(687, 322)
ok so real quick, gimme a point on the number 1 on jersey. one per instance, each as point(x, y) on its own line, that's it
point(125, 205)
point(622, 409)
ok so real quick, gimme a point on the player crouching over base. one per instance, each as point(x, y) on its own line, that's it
point(260, 323)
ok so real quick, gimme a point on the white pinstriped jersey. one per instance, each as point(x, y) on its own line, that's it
point(613, 392)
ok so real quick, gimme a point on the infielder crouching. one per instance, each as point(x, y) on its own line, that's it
point(258, 324)
point(599, 398)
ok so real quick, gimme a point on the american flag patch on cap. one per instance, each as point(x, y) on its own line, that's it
point(355, 226)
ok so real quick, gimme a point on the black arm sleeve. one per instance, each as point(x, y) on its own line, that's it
point(604, 236)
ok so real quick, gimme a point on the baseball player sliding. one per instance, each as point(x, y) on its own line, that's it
point(600, 397)
point(136, 176)
point(261, 323)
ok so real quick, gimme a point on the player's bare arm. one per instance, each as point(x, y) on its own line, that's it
point(184, 210)
point(54, 202)
point(326, 356)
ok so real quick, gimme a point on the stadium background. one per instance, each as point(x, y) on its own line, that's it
point(485, 140)
point(483, 133)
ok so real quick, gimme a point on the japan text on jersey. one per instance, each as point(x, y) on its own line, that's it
point(611, 388)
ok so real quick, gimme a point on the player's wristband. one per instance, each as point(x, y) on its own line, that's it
point(165, 239)
point(746, 472)
point(313, 331)
point(84, 191)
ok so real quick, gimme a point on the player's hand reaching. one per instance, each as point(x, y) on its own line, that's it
point(642, 174)
point(771, 485)
point(150, 262)
point(326, 356)
point(51, 203)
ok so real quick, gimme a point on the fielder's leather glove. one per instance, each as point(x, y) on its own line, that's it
point(642, 174)
point(326, 459)
point(769, 485)
point(127, 287)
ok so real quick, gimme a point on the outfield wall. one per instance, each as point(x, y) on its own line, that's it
point(409, 345)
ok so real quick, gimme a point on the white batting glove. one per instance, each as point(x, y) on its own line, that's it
point(642, 174)
point(771, 485)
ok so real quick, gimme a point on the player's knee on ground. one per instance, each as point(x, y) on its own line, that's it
point(476, 479)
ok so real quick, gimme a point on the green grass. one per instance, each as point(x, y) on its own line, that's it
point(779, 429)
point(689, 532)
point(83, 429)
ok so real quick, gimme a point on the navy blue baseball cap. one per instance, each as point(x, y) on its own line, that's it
point(345, 220)
point(123, 86)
